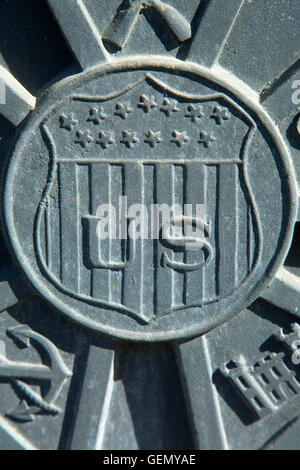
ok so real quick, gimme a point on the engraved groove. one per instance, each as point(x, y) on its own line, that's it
point(224, 42)
point(272, 87)
point(100, 99)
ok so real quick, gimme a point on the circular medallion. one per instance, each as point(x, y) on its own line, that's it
point(106, 156)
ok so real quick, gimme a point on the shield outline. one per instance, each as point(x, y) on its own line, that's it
point(53, 169)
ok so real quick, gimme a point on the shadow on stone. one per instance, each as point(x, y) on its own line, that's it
point(39, 52)
point(292, 133)
point(154, 396)
point(233, 399)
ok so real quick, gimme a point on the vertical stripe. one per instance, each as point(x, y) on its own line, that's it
point(84, 210)
point(69, 229)
point(178, 199)
point(251, 239)
point(43, 233)
point(99, 188)
point(54, 207)
point(195, 194)
point(48, 237)
point(148, 251)
point(164, 275)
point(211, 208)
point(227, 220)
point(142, 241)
point(242, 214)
point(116, 255)
point(133, 279)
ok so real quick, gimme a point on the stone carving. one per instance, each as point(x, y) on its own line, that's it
point(123, 110)
point(19, 373)
point(180, 138)
point(153, 138)
point(220, 115)
point(270, 382)
point(135, 159)
point(68, 122)
point(119, 31)
point(289, 339)
point(84, 138)
point(167, 104)
point(169, 107)
point(96, 115)
point(194, 113)
point(206, 139)
point(147, 103)
point(105, 139)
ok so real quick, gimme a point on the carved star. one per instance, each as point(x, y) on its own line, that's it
point(84, 138)
point(68, 121)
point(147, 103)
point(220, 114)
point(105, 139)
point(153, 138)
point(96, 115)
point(194, 112)
point(180, 138)
point(169, 107)
point(123, 110)
point(206, 139)
point(129, 139)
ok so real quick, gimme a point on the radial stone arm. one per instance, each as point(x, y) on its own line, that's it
point(11, 438)
point(284, 292)
point(15, 100)
point(13, 291)
point(94, 401)
point(81, 32)
point(191, 356)
point(208, 42)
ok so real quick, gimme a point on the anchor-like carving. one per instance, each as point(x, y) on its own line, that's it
point(20, 373)
point(121, 27)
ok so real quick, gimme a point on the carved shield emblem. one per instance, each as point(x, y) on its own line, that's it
point(154, 139)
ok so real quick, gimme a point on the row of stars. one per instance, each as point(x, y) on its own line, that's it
point(97, 114)
point(129, 138)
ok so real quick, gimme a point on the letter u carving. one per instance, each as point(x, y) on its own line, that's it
point(94, 251)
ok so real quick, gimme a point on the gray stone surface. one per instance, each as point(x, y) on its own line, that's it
point(144, 344)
